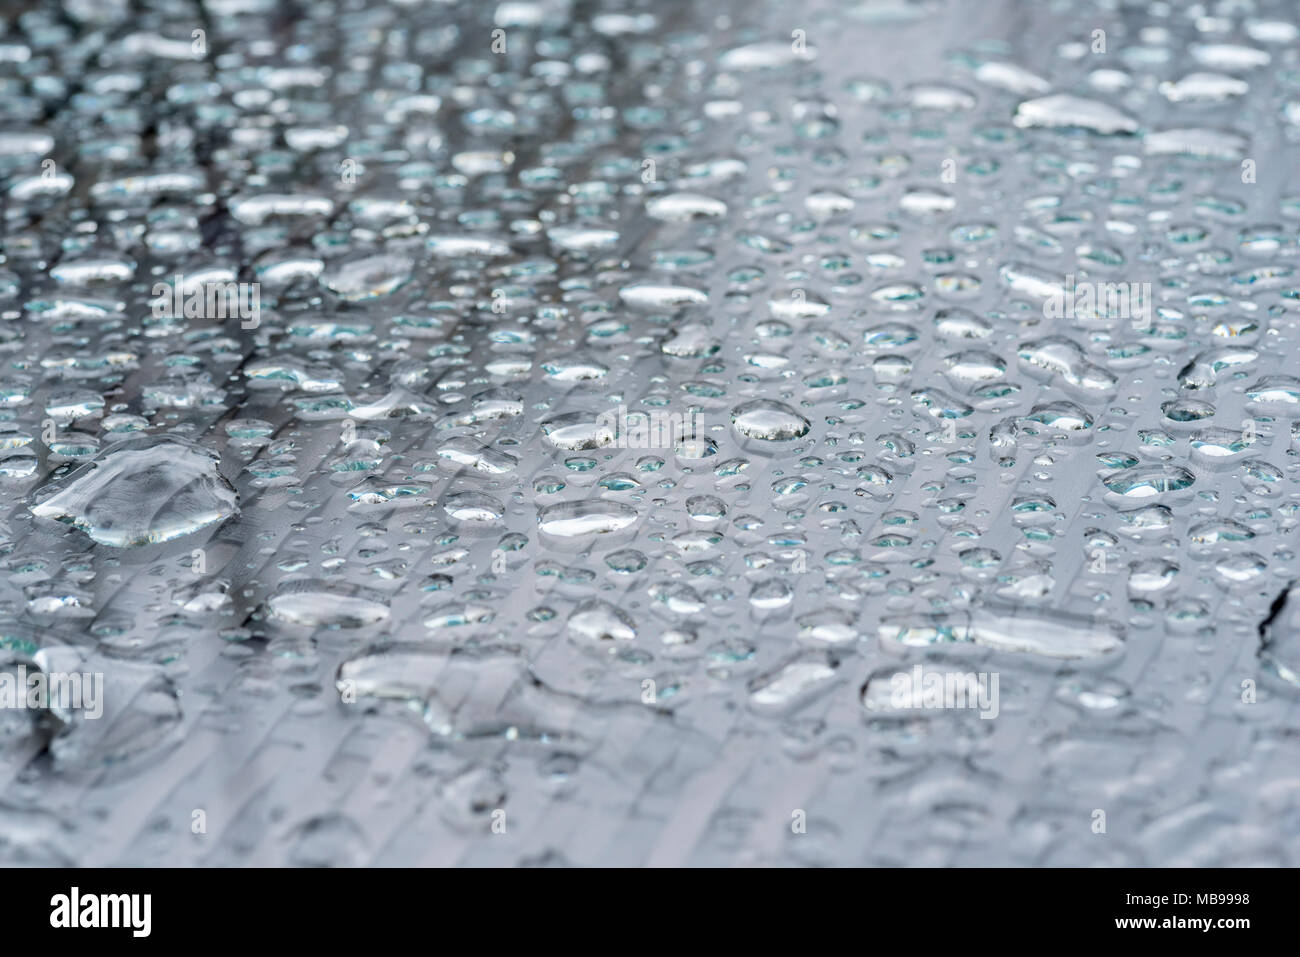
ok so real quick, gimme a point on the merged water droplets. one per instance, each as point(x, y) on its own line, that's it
point(1062, 110)
point(368, 278)
point(598, 621)
point(1005, 628)
point(582, 520)
point(316, 603)
point(141, 491)
point(1149, 481)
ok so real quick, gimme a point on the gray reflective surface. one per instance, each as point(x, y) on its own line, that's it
point(700, 434)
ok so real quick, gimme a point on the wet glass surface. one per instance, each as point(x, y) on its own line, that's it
point(677, 434)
